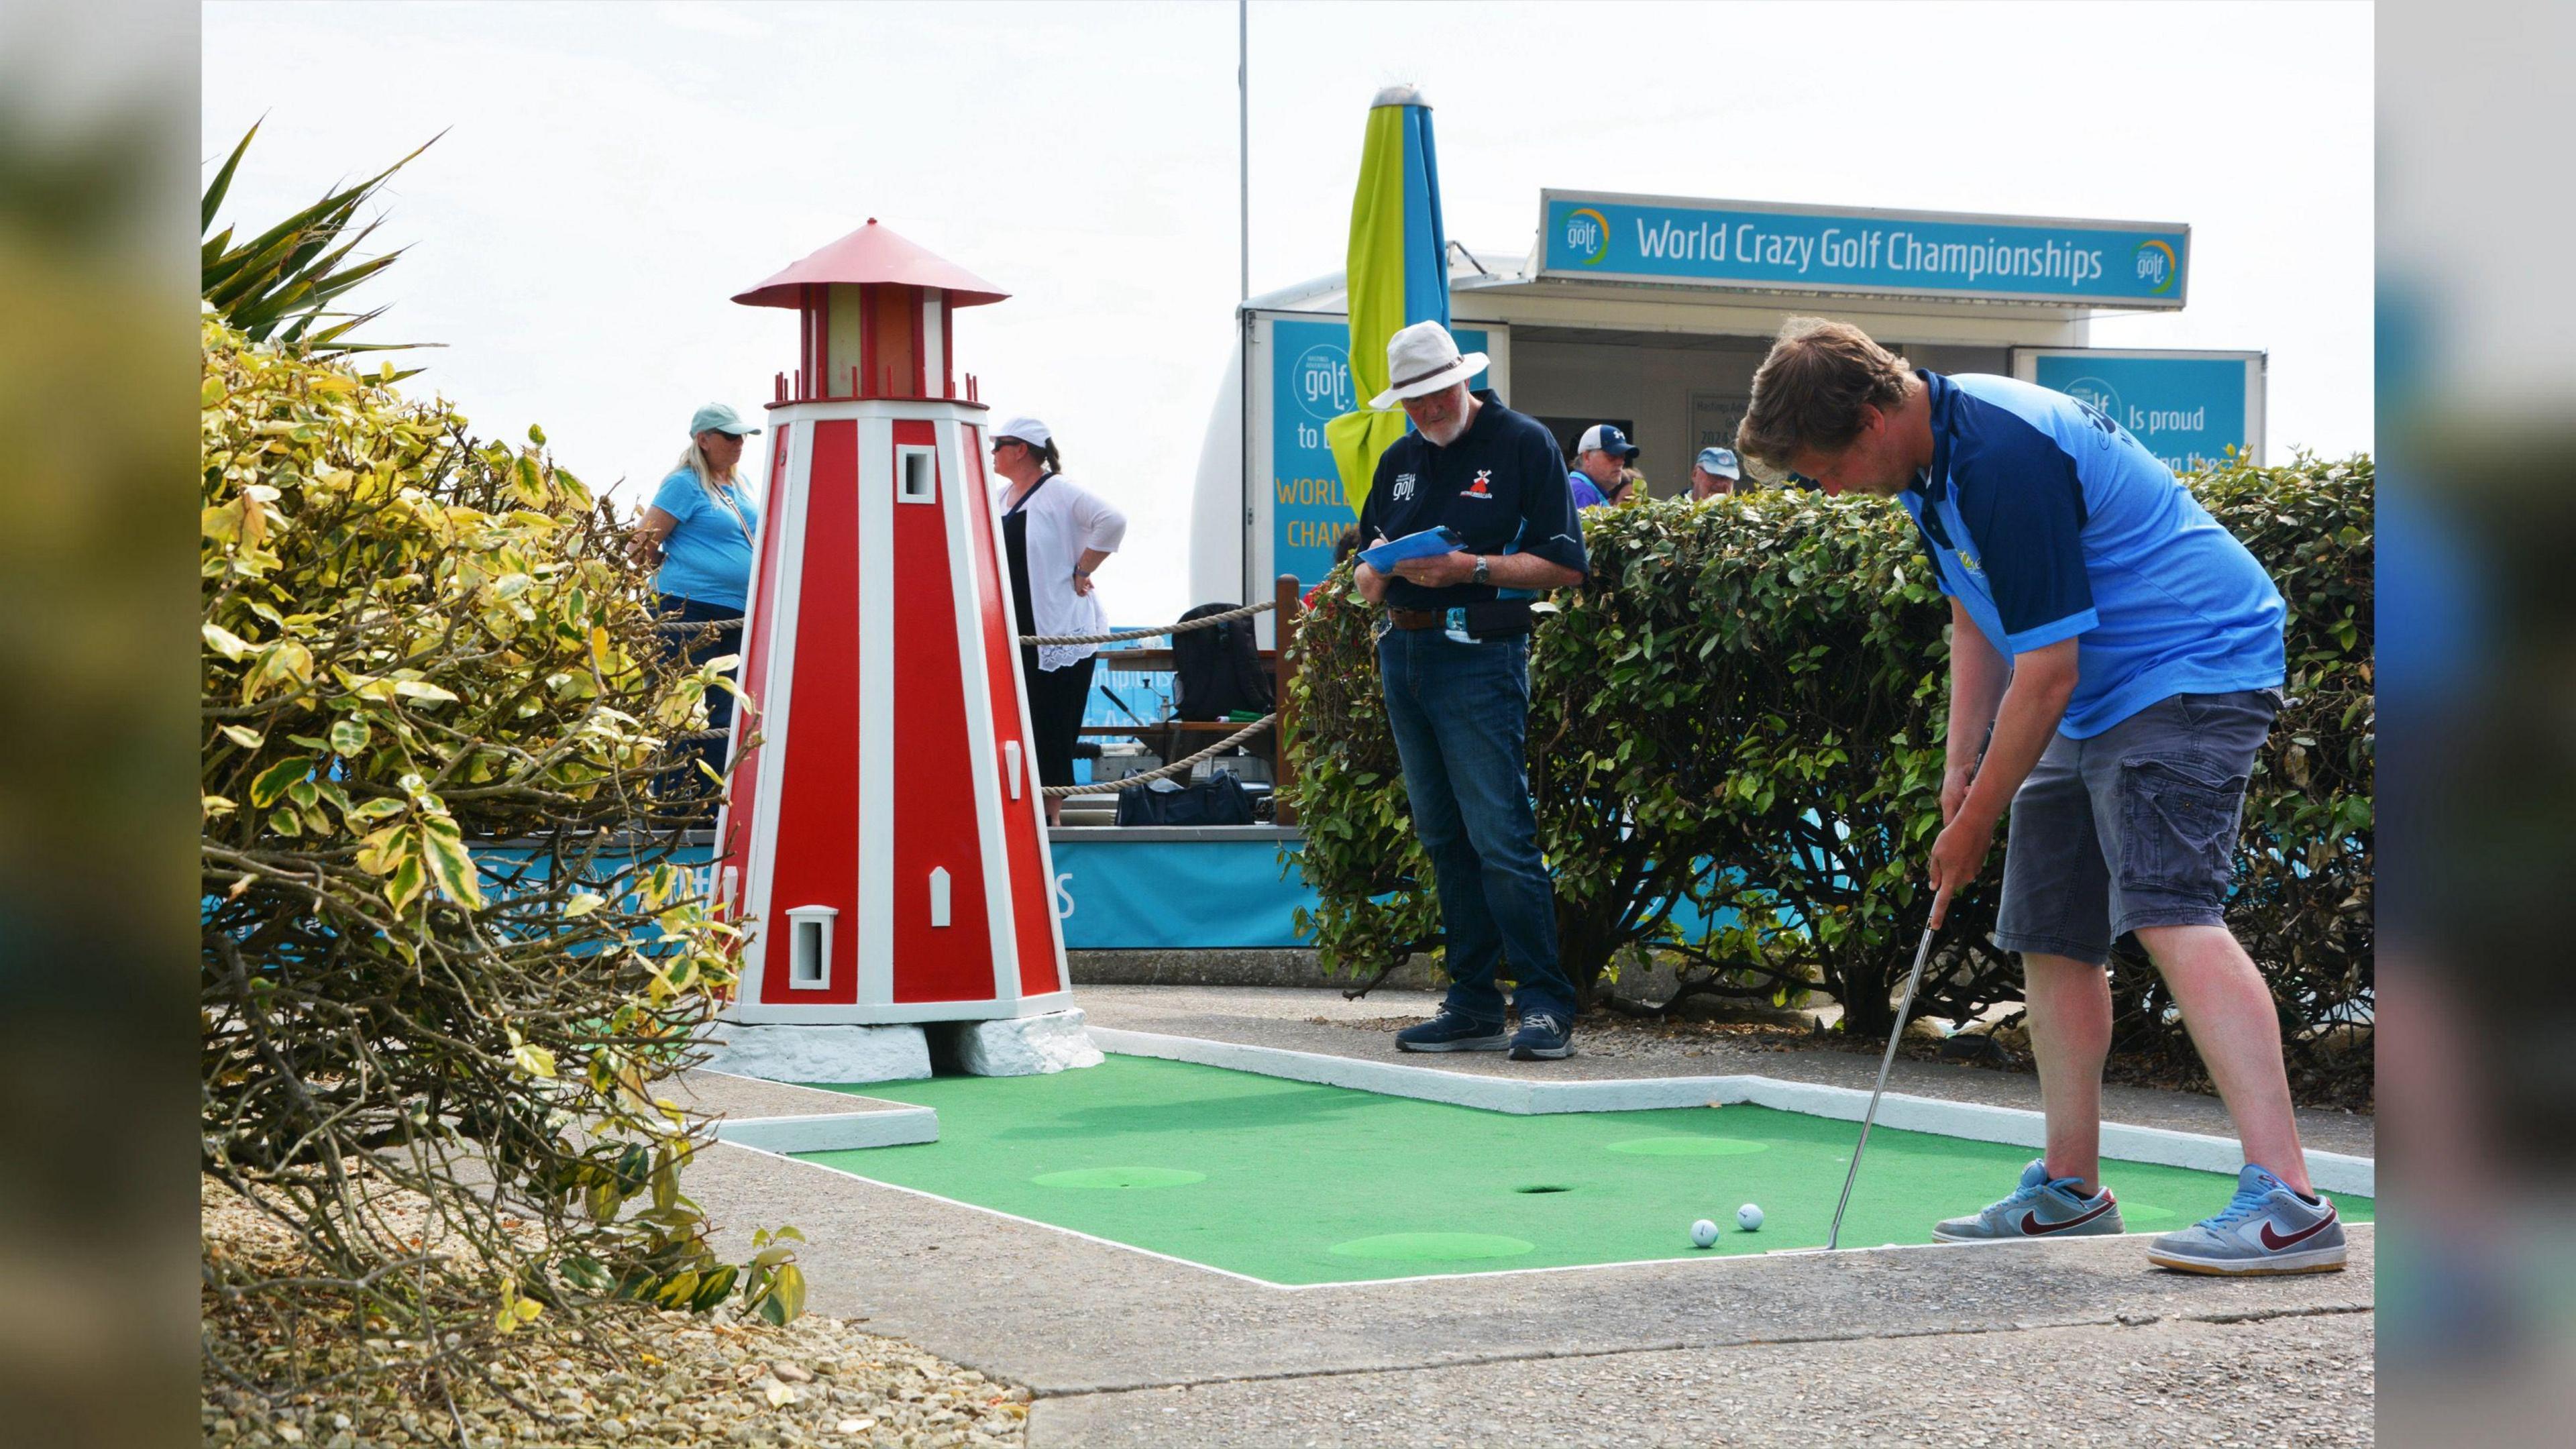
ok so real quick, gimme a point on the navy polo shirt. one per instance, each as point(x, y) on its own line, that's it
point(2046, 520)
point(1501, 485)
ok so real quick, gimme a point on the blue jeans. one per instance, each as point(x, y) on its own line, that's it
point(1460, 716)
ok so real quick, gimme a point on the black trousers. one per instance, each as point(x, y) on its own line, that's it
point(1057, 699)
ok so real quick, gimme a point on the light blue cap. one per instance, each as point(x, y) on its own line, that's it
point(1720, 462)
point(717, 418)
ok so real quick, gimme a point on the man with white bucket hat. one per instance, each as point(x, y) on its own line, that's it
point(1453, 660)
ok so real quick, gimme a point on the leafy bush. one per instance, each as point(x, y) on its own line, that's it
point(446, 958)
point(1740, 722)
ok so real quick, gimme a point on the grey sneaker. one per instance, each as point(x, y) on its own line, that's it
point(2042, 1207)
point(2265, 1228)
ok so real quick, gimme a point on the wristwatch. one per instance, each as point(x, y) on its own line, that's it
point(1484, 571)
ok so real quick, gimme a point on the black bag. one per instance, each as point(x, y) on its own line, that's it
point(1220, 799)
point(1218, 670)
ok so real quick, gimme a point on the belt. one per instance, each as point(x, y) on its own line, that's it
point(1418, 618)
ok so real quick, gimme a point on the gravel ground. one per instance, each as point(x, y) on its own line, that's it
point(669, 1378)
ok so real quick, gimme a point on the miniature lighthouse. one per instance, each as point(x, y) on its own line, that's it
point(884, 831)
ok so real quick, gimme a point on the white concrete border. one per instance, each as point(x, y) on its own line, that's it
point(2332, 1171)
point(832, 1131)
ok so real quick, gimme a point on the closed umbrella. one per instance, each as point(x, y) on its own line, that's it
point(1398, 272)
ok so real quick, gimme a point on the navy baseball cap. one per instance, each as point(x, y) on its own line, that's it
point(1720, 463)
point(1605, 438)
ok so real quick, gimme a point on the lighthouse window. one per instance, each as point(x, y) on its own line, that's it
point(920, 480)
point(809, 947)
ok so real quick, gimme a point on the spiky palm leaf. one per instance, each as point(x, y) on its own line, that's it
point(278, 286)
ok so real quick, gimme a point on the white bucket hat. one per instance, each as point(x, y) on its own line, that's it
point(1424, 358)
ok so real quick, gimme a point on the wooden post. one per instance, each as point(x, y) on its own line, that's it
point(1286, 594)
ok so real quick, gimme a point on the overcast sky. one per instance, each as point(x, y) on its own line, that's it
point(612, 173)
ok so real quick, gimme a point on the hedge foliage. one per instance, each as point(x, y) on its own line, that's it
point(1740, 720)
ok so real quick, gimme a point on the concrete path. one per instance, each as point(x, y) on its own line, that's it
point(2050, 1343)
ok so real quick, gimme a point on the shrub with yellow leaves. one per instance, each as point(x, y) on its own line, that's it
point(447, 957)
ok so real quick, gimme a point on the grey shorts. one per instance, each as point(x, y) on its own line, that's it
point(2133, 827)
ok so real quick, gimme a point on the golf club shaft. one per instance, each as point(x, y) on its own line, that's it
point(1834, 1239)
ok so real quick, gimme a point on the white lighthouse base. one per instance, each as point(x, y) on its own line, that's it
point(820, 1053)
point(1026, 1046)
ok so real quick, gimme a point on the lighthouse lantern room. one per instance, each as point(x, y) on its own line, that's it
point(884, 831)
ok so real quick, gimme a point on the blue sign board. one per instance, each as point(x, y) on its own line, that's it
point(1202, 895)
point(2189, 408)
point(1310, 385)
point(1767, 247)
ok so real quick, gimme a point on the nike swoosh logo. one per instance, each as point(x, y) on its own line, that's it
point(2033, 1227)
point(2276, 1242)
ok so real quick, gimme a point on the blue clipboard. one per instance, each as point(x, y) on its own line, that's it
point(1429, 543)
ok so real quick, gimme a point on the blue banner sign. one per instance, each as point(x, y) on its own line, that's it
point(2188, 408)
point(1310, 385)
point(1115, 895)
point(1766, 247)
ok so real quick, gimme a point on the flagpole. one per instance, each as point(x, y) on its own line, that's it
point(1243, 294)
point(1243, 134)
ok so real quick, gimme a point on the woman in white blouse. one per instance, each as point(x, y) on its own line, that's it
point(1056, 535)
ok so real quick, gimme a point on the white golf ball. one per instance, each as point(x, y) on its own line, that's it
point(1749, 1218)
point(1703, 1233)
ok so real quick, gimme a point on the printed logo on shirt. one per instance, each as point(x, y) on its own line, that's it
point(2092, 406)
point(1403, 487)
point(1481, 487)
point(1968, 561)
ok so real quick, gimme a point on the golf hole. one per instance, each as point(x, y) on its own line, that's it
point(1543, 1188)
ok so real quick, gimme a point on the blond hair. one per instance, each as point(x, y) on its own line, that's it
point(694, 458)
point(1808, 394)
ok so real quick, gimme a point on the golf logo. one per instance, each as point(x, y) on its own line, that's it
point(1482, 487)
point(2099, 402)
point(1403, 487)
point(1322, 380)
point(2158, 267)
point(1587, 235)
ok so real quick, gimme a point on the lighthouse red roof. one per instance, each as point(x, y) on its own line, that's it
point(873, 253)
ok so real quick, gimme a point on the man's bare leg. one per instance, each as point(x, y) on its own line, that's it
point(2070, 1034)
point(2232, 1021)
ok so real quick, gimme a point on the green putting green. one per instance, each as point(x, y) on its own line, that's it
point(1295, 1183)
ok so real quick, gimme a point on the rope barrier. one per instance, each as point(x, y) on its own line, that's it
point(1027, 640)
point(1112, 787)
point(1210, 622)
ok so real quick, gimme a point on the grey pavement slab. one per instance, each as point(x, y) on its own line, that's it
point(1064, 1314)
point(1283, 1017)
point(2304, 1381)
point(723, 1094)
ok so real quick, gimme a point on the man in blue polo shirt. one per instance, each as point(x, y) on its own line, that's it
point(2115, 663)
point(1601, 459)
point(1453, 660)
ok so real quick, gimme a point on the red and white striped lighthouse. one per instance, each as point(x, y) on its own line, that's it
point(884, 829)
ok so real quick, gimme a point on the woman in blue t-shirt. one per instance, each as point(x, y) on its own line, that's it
point(698, 530)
